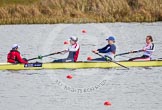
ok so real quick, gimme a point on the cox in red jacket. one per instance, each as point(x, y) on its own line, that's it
point(15, 57)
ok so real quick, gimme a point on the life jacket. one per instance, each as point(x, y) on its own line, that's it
point(14, 57)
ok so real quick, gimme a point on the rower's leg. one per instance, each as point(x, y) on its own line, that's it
point(99, 59)
point(142, 58)
point(59, 60)
point(133, 58)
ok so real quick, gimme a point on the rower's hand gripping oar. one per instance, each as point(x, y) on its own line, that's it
point(129, 52)
point(108, 59)
point(40, 57)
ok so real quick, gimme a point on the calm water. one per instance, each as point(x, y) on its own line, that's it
point(134, 89)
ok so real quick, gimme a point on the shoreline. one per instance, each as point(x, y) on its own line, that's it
point(56, 21)
point(1, 24)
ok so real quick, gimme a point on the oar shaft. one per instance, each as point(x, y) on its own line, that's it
point(129, 52)
point(32, 59)
point(113, 61)
point(122, 54)
point(45, 55)
point(41, 56)
point(49, 54)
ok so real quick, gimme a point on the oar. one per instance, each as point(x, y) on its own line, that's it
point(112, 61)
point(40, 57)
point(129, 52)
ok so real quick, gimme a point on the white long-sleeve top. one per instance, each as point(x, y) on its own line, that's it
point(73, 52)
point(149, 49)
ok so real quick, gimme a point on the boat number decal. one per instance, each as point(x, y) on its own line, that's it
point(33, 65)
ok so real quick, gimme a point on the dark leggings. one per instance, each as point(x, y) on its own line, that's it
point(99, 59)
point(62, 60)
point(136, 58)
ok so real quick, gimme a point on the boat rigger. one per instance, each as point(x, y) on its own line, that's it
point(79, 65)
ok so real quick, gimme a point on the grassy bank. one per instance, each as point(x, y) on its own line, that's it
point(79, 11)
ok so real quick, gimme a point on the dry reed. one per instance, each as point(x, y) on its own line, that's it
point(79, 11)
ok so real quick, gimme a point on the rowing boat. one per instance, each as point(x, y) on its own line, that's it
point(79, 65)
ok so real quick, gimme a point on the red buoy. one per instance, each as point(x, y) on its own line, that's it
point(66, 42)
point(89, 58)
point(69, 76)
point(107, 103)
point(84, 31)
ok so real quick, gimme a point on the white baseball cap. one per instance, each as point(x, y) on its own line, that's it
point(15, 46)
point(73, 38)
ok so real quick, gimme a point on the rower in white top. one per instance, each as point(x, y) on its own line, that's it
point(148, 50)
point(73, 51)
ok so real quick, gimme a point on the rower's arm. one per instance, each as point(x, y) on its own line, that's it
point(103, 50)
point(107, 49)
point(19, 58)
point(150, 50)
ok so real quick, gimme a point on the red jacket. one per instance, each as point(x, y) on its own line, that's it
point(15, 57)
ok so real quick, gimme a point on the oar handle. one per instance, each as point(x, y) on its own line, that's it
point(107, 58)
